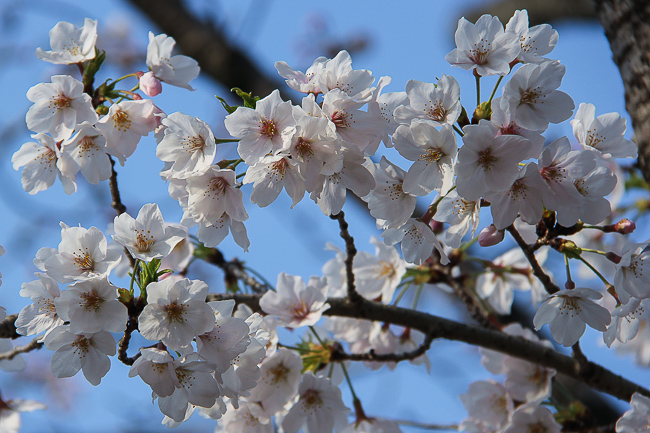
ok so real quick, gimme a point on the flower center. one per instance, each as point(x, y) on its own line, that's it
point(174, 312)
point(60, 102)
point(121, 120)
point(530, 96)
point(311, 397)
point(91, 301)
point(300, 311)
point(341, 119)
point(303, 147)
point(143, 240)
point(431, 155)
point(81, 345)
point(268, 128)
point(83, 260)
point(193, 144)
point(278, 374)
point(436, 111)
point(486, 159)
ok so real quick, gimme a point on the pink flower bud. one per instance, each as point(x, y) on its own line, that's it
point(624, 227)
point(490, 235)
point(150, 85)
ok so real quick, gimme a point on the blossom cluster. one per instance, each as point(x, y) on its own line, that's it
point(223, 359)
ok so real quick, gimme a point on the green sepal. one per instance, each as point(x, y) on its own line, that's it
point(249, 100)
point(91, 68)
point(229, 108)
point(124, 296)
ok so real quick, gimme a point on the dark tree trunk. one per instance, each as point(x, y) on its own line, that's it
point(627, 27)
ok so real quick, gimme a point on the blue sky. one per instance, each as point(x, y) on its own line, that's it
point(406, 41)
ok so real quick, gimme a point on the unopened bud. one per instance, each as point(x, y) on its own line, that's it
point(624, 227)
point(490, 235)
point(613, 257)
point(150, 85)
point(483, 111)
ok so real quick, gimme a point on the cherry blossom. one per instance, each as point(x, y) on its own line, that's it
point(604, 134)
point(147, 237)
point(569, 311)
point(260, 130)
point(295, 303)
point(533, 96)
point(41, 315)
point(175, 70)
point(176, 312)
point(433, 154)
point(124, 125)
point(188, 143)
point(58, 107)
point(279, 380)
point(488, 402)
point(73, 352)
point(437, 103)
point(40, 162)
point(484, 46)
point(532, 419)
point(417, 241)
point(319, 408)
point(270, 175)
point(486, 163)
point(213, 193)
point(86, 152)
point(10, 413)
point(636, 419)
point(463, 215)
point(82, 253)
point(91, 306)
point(70, 44)
point(388, 201)
point(535, 41)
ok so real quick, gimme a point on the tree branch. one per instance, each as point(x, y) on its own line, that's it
point(339, 355)
point(529, 252)
point(8, 327)
point(35, 344)
point(350, 252)
point(589, 373)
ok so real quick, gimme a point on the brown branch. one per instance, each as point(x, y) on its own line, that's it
point(115, 192)
point(529, 252)
point(339, 355)
point(234, 271)
point(8, 327)
point(35, 344)
point(350, 252)
point(589, 373)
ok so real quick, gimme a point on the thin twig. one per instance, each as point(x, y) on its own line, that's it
point(339, 355)
point(234, 270)
point(529, 252)
point(350, 251)
point(115, 192)
point(35, 344)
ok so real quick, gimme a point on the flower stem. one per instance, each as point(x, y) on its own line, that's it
point(595, 271)
point(347, 378)
point(496, 86)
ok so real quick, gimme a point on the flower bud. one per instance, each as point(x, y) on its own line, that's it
point(624, 227)
point(150, 85)
point(490, 235)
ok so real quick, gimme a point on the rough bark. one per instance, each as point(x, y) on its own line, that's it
point(627, 27)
